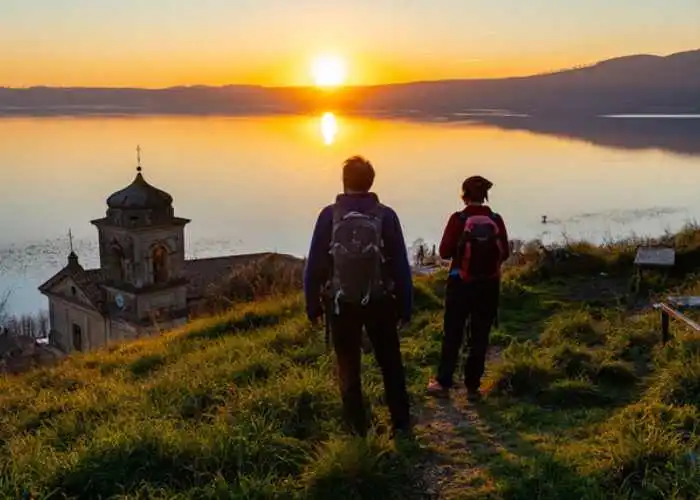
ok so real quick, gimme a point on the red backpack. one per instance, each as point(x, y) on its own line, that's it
point(480, 251)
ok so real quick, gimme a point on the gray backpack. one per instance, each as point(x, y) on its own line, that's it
point(356, 248)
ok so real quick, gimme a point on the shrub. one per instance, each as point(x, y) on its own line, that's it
point(146, 364)
point(679, 383)
point(577, 327)
point(652, 414)
point(572, 393)
point(615, 373)
point(649, 459)
point(523, 371)
point(683, 347)
point(359, 468)
point(273, 275)
point(573, 360)
point(635, 344)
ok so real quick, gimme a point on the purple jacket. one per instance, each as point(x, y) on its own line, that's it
point(319, 263)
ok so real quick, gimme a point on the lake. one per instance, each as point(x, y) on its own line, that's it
point(256, 184)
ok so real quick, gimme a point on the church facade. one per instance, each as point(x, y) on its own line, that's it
point(144, 284)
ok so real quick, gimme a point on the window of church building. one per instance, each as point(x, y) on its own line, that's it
point(160, 264)
point(128, 270)
point(116, 261)
point(77, 338)
point(73, 291)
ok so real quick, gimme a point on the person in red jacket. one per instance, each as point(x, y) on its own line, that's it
point(476, 241)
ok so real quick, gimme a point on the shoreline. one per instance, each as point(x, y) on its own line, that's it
point(86, 250)
point(421, 115)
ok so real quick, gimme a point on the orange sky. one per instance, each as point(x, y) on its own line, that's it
point(295, 71)
point(271, 42)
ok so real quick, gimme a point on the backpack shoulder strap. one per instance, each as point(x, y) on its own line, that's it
point(376, 211)
point(338, 213)
point(495, 217)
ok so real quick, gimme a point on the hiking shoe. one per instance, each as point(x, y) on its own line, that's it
point(474, 396)
point(435, 388)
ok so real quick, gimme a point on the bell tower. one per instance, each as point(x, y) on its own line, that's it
point(142, 256)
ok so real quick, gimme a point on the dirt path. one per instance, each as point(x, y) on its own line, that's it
point(456, 440)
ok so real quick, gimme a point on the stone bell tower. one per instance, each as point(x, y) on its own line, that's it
point(142, 257)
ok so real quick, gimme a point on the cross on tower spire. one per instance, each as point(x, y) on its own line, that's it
point(138, 157)
point(72, 258)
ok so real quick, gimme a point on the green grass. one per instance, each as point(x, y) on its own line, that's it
point(582, 402)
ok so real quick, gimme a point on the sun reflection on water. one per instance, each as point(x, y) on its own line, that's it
point(329, 127)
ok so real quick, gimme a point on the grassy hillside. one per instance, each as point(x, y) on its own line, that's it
point(583, 402)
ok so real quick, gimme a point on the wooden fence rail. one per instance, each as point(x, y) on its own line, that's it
point(668, 312)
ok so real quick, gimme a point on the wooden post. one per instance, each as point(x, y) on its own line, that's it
point(664, 327)
point(666, 313)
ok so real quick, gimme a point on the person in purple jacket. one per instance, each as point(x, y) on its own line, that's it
point(358, 274)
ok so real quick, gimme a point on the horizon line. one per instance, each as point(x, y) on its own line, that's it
point(346, 87)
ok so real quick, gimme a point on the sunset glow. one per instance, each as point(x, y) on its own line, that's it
point(273, 43)
point(329, 71)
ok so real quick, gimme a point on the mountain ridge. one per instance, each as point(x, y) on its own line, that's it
point(640, 83)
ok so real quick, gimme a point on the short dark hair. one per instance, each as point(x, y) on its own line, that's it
point(358, 174)
point(476, 189)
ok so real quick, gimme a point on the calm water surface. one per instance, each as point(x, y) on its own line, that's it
point(254, 184)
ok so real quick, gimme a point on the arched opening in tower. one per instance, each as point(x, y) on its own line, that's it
point(116, 261)
point(160, 264)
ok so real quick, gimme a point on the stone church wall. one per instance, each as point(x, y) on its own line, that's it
point(174, 298)
point(66, 314)
point(172, 240)
point(136, 251)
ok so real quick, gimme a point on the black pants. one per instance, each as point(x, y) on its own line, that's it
point(379, 321)
point(475, 304)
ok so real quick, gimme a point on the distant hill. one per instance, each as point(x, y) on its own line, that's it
point(632, 84)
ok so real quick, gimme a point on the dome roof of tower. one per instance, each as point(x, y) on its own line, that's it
point(139, 195)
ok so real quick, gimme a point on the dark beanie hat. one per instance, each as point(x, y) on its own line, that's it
point(476, 187)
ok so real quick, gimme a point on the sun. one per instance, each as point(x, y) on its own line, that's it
point(328, 71)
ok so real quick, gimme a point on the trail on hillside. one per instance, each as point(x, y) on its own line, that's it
point(455, 437)
point(469, 450)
